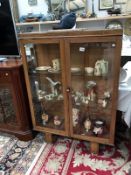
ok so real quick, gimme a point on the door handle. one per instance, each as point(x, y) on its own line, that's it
point(68, 89)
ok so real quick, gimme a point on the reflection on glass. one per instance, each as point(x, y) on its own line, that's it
point(7, 113)
point(44, 69)
point(92, 86)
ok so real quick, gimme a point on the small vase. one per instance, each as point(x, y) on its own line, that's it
point(87, 124)
point(98, 127)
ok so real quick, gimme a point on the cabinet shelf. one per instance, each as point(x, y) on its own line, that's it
point(90, 76)
point(124, 16)
point(41, 25)
point(79, 130)
point(34, 73)
point(113, 17)
point(50, 125)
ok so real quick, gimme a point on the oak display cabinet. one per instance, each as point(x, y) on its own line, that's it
point(72, 81)
point(15, 115)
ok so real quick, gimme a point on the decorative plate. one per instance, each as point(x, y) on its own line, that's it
point(75, 69)
point(52, 70)
point(41, 68)
point(114, 24)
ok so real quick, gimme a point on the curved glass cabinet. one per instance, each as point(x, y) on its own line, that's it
point(15, 115)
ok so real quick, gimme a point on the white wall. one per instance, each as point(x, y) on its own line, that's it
point(24, 8)
point(96, 8)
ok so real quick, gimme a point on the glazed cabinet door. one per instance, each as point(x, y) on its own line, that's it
point(7, 110)
point(44, 62)
point(93, 63)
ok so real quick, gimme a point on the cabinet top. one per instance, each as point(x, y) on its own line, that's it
point(10, 63)
point(71, 33)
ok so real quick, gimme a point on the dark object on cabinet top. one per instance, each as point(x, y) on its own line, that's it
point(67, 22)
point(114, 11)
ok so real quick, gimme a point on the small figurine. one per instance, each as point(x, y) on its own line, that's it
point(75, 116)
point(45, 118)
point(56, 64)
point(85, 100)
point(87, 124)
point(40, 93)
point(97, 70)
point(53, 85)
point(57, 121)
point(103, 102)
point(104, 67)
point(90, 93)
point(98, 127)
point(107, 94)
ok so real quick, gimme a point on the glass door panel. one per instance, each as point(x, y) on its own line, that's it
point(92, 83)
point(7, 113)
point(45, 74)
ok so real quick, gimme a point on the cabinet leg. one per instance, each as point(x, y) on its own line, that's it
point(49, 138)
point(94, 147)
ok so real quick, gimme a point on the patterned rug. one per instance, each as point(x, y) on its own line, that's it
point(65, 157)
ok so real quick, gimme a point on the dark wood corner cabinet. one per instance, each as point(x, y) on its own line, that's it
point(72, 81)
point(15, 115)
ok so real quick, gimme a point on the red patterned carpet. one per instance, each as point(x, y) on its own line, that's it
point(65, 157)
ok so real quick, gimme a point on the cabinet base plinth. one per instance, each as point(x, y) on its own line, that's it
point(21, 135)
point(94, 147)
point(49, 138)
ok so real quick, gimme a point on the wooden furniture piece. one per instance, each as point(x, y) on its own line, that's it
point(72, 82)
point(15, 115)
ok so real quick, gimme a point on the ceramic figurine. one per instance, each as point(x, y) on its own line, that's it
point(97, 69)
point(98, 130)
point(98, 127)
point(104, 103)
point(57, 121)
point(38, 91)
point(87, 124)
point(53, 85)
point(91, 95)
point(56, 64)
point(60, 97)
point(85, 100)
point(45, 118)
point(75, 115)
point(104, 67)
point(107, 94)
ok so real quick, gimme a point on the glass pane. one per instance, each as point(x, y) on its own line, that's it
point(92, 70)
point(44, 68)
point(7, 113)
